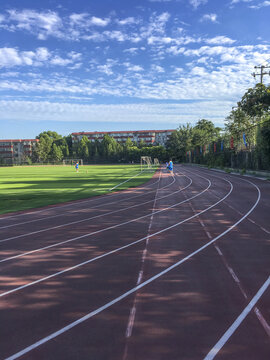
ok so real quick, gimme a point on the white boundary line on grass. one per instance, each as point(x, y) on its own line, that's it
point(222, 341)
point(94, 217)
point(118, 249)
point(131, 291)
point(60, 206)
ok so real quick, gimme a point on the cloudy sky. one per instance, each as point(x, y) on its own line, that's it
point(126, 64)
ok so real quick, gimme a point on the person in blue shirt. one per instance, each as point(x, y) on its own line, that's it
point(77, 166)
point(170, 167)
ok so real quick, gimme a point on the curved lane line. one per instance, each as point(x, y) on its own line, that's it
point(116, 250)
point(222, 341)
point(98, 231)
point(78, 203)
point(131, 291)
point(62, 206)
point(93, 217)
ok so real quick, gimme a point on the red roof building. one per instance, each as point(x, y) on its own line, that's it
point(155, 137)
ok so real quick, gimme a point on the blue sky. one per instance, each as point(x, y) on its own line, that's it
point(118, 65)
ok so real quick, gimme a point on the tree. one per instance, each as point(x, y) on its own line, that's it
point(44, 147)
point(204, 132)
point(56, 154)
point(180, 142)
point(256, 101)
point(83, 151)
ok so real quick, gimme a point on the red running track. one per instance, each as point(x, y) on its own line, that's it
point(176, 269)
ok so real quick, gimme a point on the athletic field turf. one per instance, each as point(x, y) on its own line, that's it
point(27, 187)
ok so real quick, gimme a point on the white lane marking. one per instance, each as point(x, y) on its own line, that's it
point(262, 321)
point(78, 203)
point(233, 208)
point(222, 341)
point(92, 217)
point(112, 251)
point(219, 251)
point(131, 319)
point(98, 231)
point(125, 181)
point(74, 204)
point(136, 288)
point(236, 279)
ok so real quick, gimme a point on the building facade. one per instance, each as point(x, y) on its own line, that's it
point(154, 137)
point(16, 151)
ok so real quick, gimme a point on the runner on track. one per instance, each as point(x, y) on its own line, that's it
point(170, 166)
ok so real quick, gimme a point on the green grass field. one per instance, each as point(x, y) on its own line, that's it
point(27, 187)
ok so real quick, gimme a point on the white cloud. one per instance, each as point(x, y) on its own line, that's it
point(209, 17)
point(106, 69)
point(220, 40)
point(42, 54)
point(197, 3)
point(198, 71)
point(156, 26)
point(10, 57)
point(260, 5)
point(41, 23)
point(173, 114)
point(99, 22)
point(157, 68)
point(115, 35)
point(131, 50)
point(128, 21)
point(238, 1)
point(131, 67)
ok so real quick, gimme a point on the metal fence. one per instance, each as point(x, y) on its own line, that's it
point(247, 149)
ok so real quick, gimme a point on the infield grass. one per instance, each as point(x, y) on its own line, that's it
point(26, 187)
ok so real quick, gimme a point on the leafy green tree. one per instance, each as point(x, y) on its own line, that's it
point(180, 142)
point(43, 148)
point(83, 151)
point(204, 132)
point(56, 153)
point(256, 101)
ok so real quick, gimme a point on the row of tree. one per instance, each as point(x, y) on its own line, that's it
point(250, 118)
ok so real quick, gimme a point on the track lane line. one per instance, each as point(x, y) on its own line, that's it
point(98, 231)
point(131, 291)
point(112, 251)
point(132, 314)
point(93, 217)
point(227, 335)
point(236, 279)
point(94, 207)
point(63, 206)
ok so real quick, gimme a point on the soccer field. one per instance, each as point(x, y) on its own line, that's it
point(35, 186)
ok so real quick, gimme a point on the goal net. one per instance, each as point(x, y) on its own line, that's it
point(146, 162)
point(156, 162)
point(72, 162)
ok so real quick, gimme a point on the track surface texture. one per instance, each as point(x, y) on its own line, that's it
point(175, 269)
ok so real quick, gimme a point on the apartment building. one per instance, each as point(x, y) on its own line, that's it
point(155, 137)
point(16, 150)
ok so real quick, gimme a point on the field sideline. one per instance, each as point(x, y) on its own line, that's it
point(26, 187)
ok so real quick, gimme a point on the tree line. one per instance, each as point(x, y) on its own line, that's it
point(247, 128)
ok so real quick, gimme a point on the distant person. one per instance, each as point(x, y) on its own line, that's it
point(170, 167)
point(77, 166)
point(167, 164)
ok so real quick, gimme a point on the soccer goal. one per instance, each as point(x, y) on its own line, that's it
point(72, 162)
point(156, 162)
point(146, 162)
